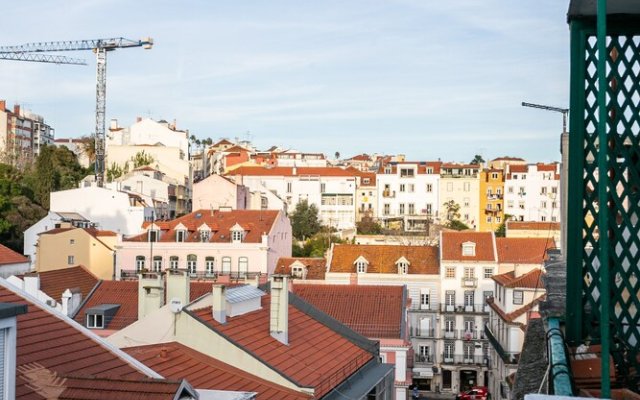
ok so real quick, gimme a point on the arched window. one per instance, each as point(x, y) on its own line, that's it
point(226, 265)
point(173, 262)
point(157, 263)
point(192, 260)
point(210, 265)
point(140, 261)
point(243, 265)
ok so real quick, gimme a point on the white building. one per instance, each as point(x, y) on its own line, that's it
point(532, 192)
point(12, 263)
point(332, 190)
point(460, 183)
point(76, 146)
point(408, 193)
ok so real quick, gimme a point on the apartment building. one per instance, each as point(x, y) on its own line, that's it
point(532, 192)
point(22, 134)
point(367, 196)
point(332, 190)
point(491, 197)
point(408, 194)
point(209, 244)
point(460, 183)
point(361, 162)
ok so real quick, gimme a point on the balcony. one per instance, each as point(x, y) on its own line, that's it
point(424, 359)
point(507, 357)
point(494, 196)
point(131, 274)
point(389, 194)
point(417, 307)
point(469, 282)
point(417, 332)
point(465, 359)
point(465, 308)
point(462, 334)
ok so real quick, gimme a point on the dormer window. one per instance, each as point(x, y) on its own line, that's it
point(298, 270)
point(468, 249)
point(361, 265)
point(205, 235)
point(154, 235)
point(403, 265)
point(237, 233)
point(95, 321)
point(181, 235)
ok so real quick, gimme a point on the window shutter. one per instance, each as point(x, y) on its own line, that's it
point(3, 359)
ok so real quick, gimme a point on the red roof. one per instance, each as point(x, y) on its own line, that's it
point(533, 226)
point(176, 361)
point(519, 168)
point(88, 387)
point(423, 166)
point(316, 355)
point(361, 157)
point(530, 280)
point(91, 231)
point(8, 256)
point(316, 267)
point(382, 258)
point(510, 317)
point(54, 283)
point(372, 311)
point(523, 250)
point(452, 246)
point(254, 223)
point(288, 171)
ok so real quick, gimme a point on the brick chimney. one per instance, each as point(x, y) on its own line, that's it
point(279, 310)
point(219, 307)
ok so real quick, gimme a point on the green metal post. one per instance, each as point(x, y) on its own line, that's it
point(603, 211)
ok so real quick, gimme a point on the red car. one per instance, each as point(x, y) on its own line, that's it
point(476, 393)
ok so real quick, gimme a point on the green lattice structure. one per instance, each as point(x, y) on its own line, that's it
point(587, 305)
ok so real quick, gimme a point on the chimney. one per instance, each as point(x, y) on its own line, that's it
point(178, 286)
point(150, 294)
point(32, 284)
point(294, 170)
point(16, 109)
point(279, 310)
point(219, 307)
point(3, 105)
point(138, 119)
point(113, 124)
point(71, 299)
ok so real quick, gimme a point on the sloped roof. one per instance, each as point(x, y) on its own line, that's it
point(50, 342)
point(533, 226)
point(530, 280)
point(254, 222)
point(288, 171)
point(361, 157)
point(8, 256)
point(382, 258)
point(423, 166)
point(94, 388)
point(510, 317)
point(316, 356)
point(176, 361)
point(55, 282)
point(523, 250)
point(452, 246)
point(316, 267)
point(372, 311)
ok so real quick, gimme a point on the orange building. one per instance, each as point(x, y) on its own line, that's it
point(491, 199)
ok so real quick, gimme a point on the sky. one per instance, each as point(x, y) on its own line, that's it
point(430, 79)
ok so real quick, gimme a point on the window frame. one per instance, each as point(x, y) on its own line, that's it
point(94, 324)
point(521, 295)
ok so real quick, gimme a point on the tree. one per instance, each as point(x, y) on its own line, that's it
point(502, 229)
point(477, 160)
point(304, 220)
point(316, 246)
point(114, 172)
point(337, 154)
point(453, 216)
point(142, 159)
point(88, 147)
point(368, 226)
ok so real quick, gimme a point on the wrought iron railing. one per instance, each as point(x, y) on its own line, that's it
point(507, 357)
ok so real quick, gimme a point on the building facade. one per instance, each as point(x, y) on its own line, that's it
point(532, 192)
point(491, 198)
point(460, 184)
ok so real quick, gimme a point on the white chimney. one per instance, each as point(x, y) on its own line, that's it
point(150, 294)
point(113, 124)
point(279, 310)
point(294, 170)
point(178, 286)
point(219, 308)
point(32, 284)
point(71, 299)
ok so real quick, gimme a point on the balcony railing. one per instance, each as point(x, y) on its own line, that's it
point(465, 359)
point(469, 282)
point(422, 333)
point(494, 196)
point(434, 307)
point(130, 274)
point(507, 357)
point(424, 359)
point(461, 334)
point(465, 308)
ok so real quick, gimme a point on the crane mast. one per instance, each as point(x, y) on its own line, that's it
point(564, 112)
point(35, 52)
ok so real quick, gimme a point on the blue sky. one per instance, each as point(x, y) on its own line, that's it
point(426, 78)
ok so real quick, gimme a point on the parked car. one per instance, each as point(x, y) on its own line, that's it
point(476, 393)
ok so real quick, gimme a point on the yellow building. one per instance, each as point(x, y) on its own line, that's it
point(491, 199)
point(67, 246)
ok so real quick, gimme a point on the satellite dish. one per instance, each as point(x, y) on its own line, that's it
point(175, 305)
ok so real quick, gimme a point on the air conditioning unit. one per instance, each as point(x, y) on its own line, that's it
point(51, 303)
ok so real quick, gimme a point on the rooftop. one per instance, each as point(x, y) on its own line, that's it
point(530, 280)
point(452, 242)
point(8, 256)
point(382, 258)
point(523, 250)
point(316, 267)
point(54, 283)
point(288, 171)
point(533, 226)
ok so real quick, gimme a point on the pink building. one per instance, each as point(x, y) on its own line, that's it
point(209, 244)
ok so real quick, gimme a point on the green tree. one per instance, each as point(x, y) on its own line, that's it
point(88, 147)
point(142, 159)
point(304, 220)
point(502, 229)
point(114, 172)
point(477, 160)
point(453, 216)
point(316, 246)
point(368, 226)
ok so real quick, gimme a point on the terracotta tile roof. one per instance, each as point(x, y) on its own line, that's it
point(552, 167)
point(288, 171)
point(456, 165)
point(316, 355)
point(530, 280)
point(236, 149)
point(523, 250)
point(176, 361)
point(372, 311)
point(422, 166)
point(47, 340)
point(254, 223)
point(91, 231)
point(383, 258)
point(519, 168)
point(8, 256)
point(533, 226)
point(86, 387)
point(452, 246)
point(371, 176)
point(221, 142)
point(361, 157)
point(316, 267)
point(510, 317)
point(54, 283)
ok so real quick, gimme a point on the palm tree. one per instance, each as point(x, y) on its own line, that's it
point(88, 147)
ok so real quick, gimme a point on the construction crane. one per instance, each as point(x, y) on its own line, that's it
point(34, 52)
point(564, 112)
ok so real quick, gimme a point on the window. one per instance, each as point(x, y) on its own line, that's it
point(205, 235)
point(448, 352)
point(510, 189)
point(468, 350)
point(488, 218)
point(289, 184)
point(173, 262)
point(449, 325)
point(543, 218)
point(243, 265)
point(468, 297)
point(469, 249)
point(226, 265)
point(449, 186)
point(361, 267)
point(543, 190)
point(366, 181)
point(401, 208)
point(467, 187)
point(153, 235)
point(424, 301)
point(402, 187)
point(488, 273)
point(192, 260)
point(498, 219)
point(517, 296)
point(554, 190)
point(412, 209)
point(430, 170)
point(469, 272)
point(95, 321)
point(543, 204)
point(554, 204)
point(157, 263)
point(494, 175)
point(181, 235)
point(407, 172)
point(450, 272)
point(72, 241)
point(499, 191)
point(71, 260)
point(429, 188)
point(323, 187)
point(403, 268)
point(489, 207)
point(524, 176)
point(521, 191)
point(450, 297)
point(210, 265)
point(521, 205)
point(236, 236)
point(429, 208)
point(412, 188)
point(140, 261)
point(386, 209)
